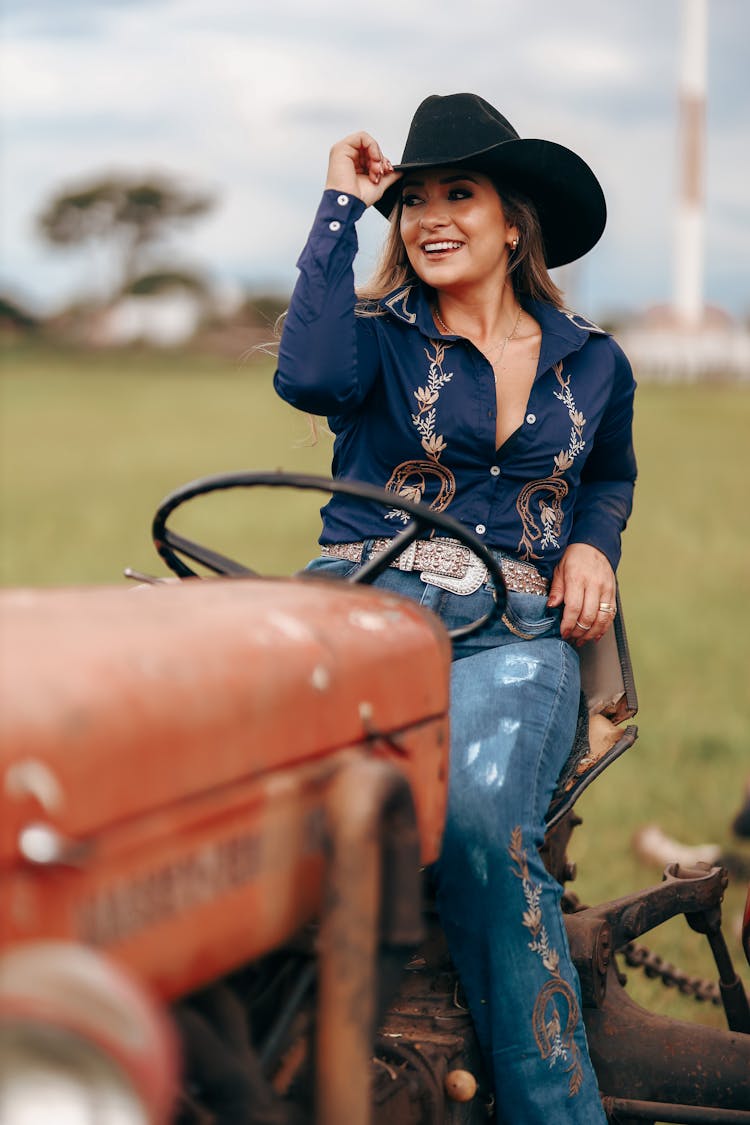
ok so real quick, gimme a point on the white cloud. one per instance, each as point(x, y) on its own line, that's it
point(586, 64)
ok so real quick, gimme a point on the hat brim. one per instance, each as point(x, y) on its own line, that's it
point(566, 193)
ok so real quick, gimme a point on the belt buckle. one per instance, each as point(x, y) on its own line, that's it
point(476, 574)
point(405, 560)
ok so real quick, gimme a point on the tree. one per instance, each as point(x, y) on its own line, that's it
point(132, 214)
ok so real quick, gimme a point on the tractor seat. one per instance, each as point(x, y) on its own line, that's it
point(608, 699)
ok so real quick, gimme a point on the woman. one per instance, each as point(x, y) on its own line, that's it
point(458, 379)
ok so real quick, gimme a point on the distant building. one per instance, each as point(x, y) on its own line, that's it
point(663, 347)
point(165, 320)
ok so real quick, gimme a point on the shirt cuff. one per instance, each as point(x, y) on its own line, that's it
point(337, 213)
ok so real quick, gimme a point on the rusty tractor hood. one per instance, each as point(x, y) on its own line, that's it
point(118, 702)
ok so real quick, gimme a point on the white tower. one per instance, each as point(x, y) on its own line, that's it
point(688, 281)
point(689, 341)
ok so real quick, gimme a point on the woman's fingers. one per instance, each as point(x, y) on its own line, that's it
point(605, 616)
point(369, 157)
point(358, 165)
point(585, 582)
point(591, 621)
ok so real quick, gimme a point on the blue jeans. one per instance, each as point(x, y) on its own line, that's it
point(514, 702)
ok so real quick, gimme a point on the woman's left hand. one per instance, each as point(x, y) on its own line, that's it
point(585, 583)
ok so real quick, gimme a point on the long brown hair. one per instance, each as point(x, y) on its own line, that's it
point(527, 268)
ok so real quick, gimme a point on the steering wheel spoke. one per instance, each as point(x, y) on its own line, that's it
point(376, 564)
point(174, 548)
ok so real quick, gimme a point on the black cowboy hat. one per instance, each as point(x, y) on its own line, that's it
point(465, 129)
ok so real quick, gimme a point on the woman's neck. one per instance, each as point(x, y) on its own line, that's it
point(478, 316)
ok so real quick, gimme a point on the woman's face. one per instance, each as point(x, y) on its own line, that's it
point(454, 228)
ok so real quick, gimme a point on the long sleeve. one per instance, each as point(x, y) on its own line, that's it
point(605, 495)
point(328, 356)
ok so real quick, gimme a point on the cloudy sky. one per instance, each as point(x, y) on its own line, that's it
point(243, 98)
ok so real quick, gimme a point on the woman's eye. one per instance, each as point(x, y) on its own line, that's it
point(454, 194)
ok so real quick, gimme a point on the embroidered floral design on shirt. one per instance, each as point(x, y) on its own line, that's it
point(552, 490)
point(556, 1010)
point(410, 478)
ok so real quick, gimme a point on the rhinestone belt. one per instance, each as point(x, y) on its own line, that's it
point(447, 563)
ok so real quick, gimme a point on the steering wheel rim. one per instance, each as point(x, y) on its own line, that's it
point(168, 542)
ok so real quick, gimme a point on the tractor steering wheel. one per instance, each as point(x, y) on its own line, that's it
point(171, 546)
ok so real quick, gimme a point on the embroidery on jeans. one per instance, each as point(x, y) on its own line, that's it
point(552, 490)
point(556, 1011)
point(410, 478)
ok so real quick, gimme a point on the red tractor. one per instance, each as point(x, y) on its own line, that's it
point(219, 801)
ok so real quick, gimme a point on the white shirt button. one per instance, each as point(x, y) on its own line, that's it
point(495, 470)
point(342, 200)
point(531, 419)
point(480, 529)
point(335, 225)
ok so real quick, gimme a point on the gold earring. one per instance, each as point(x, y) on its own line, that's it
point(514, 244)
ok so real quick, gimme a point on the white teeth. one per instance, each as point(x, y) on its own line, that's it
point(434, 247)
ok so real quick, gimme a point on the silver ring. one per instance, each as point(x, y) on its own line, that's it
point(582, 626)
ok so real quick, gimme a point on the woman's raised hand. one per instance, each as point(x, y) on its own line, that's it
point(357, 166)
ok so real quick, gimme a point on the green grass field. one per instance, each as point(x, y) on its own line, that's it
point(90, 443)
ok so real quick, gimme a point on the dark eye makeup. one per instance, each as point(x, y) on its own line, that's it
point(455, 194)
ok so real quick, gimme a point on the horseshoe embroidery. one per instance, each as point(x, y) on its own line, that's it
point(556, 1010)
point(542, 526)
point(410, 478)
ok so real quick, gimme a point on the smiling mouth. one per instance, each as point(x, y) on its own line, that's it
point(440, 247)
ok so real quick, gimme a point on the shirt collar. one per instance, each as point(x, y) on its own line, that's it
point(562, 332)
point(410, 304)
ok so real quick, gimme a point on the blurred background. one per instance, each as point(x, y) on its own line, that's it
point(235, 105)
point(161, 164)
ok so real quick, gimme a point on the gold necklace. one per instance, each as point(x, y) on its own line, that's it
point(503, 346)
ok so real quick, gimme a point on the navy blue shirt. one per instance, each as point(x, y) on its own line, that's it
point(415, 412)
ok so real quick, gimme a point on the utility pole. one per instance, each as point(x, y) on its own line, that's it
point(689, 250)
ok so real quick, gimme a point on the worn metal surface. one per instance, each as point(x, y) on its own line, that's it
point(638, 1054)
point(681, 892)
point(164, 782)
point(635, 1053)
point(628, 1109)
point(119, 702)
point(426, 1037)
point(373, 856)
